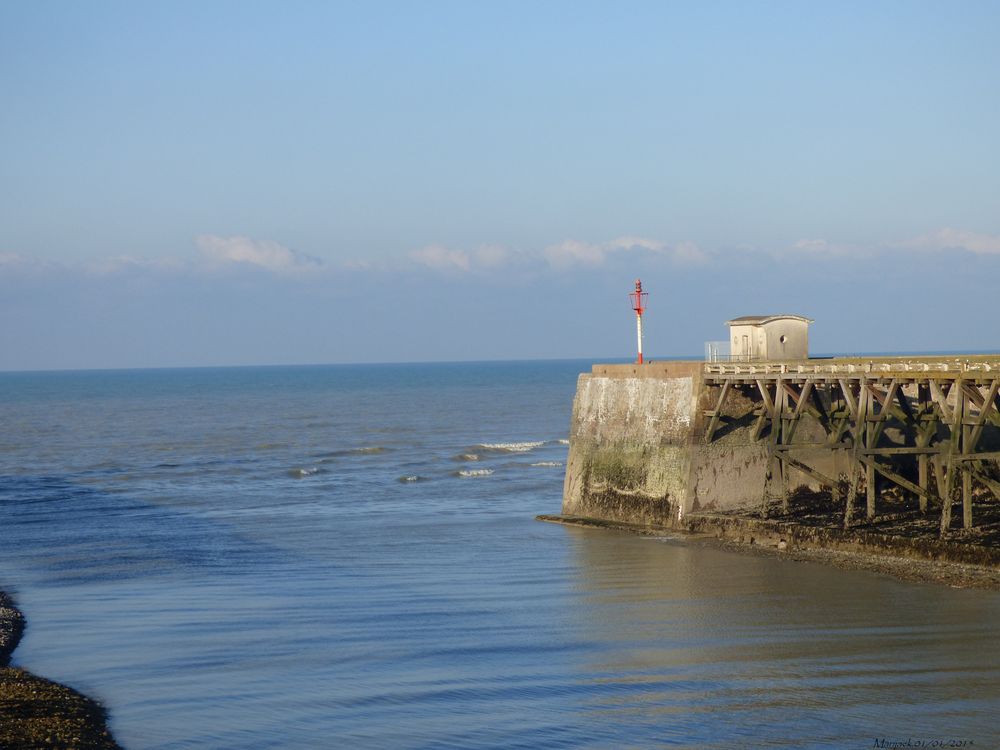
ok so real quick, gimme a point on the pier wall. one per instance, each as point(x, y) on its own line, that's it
point(650, 444)
point(630, 435)
point(638, 452)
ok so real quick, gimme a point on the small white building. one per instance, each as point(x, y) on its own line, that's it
point(757, 337)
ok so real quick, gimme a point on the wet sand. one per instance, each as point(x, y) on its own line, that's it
point(39, 713)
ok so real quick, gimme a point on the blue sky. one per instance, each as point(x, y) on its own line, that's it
point(260, 183)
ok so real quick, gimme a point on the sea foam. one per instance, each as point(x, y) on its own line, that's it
point(522, 447)
point(474, 473)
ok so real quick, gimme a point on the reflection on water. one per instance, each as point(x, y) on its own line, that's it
point(704, 646)
point(178, 558)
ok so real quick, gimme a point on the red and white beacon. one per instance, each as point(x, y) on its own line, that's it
point(638, 300)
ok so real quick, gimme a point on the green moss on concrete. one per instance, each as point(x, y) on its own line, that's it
point(620, 470)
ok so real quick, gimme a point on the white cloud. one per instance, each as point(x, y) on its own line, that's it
point(266, 254)
point(956, 239)
point(492, 256)
point(441, 258)
point(825, 247)
point(939, 241)
point(482, 259)
point(16, 263)
point(689, 254)
point(118, 263)
point(813, 246)
point(628, 242)
point(571, 253)
point(379, 265)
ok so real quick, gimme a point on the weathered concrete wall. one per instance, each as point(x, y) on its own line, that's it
point(637, 451)
point(630, 436)
point(731, 471)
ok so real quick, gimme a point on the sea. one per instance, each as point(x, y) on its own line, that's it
point(347, 557)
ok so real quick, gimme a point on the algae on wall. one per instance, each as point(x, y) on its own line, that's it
point(629, 454)
point(638, 455)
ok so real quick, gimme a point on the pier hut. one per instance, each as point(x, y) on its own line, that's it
point(759, 337)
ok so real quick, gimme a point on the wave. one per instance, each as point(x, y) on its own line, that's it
point(563, 441)
point(548, 463)
point(522, 447)
point(473, 473)
point(411, 478)
point(301, 472)
point(467, 457)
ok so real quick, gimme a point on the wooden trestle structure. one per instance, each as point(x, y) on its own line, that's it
point(935, 409)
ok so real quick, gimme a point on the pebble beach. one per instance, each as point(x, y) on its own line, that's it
point(37, 713)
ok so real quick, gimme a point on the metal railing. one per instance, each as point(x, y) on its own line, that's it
point(984, 364)
point(717, 351)
point(723, 358)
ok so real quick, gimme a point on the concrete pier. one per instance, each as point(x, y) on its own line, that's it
point(654, 443)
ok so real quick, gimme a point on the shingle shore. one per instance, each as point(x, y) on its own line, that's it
point(39, 713)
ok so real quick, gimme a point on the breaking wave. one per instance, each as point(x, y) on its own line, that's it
point(522, 447)
point(548, 463)
point(473, 473)
point(563, 441)
point(410, 478)
point(467, 457)
point(302, 472)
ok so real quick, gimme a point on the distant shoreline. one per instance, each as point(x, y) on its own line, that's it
point(849, 550)
point(35, 712)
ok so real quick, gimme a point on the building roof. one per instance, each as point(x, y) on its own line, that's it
point(756, 320)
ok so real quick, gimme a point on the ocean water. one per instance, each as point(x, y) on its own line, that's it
point(346, 557)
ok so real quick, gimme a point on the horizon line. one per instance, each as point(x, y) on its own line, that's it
point(599, 360)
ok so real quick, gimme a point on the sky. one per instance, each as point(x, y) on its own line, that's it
point(213, 183)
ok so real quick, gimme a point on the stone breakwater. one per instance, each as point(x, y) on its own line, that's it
point(39, 713)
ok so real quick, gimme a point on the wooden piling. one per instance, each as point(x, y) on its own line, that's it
point(922, 480)
point(892, 417)
point(966, 497)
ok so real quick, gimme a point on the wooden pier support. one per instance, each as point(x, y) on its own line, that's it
point(922, 472)
point(966, 498)
point(889, 420)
